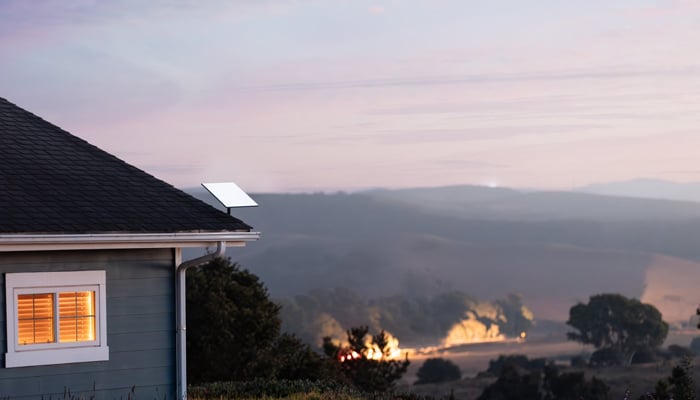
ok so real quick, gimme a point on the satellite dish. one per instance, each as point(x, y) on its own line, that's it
point(230, 195)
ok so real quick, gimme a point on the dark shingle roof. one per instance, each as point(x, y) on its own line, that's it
point(54, 182)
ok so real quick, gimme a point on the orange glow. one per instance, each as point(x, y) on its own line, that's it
point(36, 315)
point(348, 355)
point(393, 350)
point(35, 318)
point(76, 316)
point(471, 330)
point(372, 351)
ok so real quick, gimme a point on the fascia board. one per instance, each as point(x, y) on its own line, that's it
point(47, 242)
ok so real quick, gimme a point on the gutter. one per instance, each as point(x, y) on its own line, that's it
point(181, 315)
point(10, 238)
point(48, 242)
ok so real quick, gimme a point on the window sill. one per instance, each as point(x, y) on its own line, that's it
point(56, 356)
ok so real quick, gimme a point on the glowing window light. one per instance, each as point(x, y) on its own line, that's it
point(76, 316)
point(35, 315)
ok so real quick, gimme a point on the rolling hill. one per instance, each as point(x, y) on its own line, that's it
point(554, 248)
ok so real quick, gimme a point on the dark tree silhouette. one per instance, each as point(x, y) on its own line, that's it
point(367, 374)
point(435, 370)
point(617, 326)
point(231, 323)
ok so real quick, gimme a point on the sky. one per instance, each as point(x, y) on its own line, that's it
point(325, 95)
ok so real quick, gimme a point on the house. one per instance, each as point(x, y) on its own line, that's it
point(91, 269)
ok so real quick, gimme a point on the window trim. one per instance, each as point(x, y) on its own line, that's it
point(55, 353)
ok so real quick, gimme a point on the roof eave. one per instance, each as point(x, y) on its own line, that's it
point(96, 241)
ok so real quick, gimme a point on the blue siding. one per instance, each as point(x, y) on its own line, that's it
point(140, 328)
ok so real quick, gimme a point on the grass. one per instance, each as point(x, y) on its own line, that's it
point(263, 389)
point(294, 396)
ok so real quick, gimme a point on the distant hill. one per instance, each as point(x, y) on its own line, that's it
point(508, 204)
point(648, 189)
point(554, 248)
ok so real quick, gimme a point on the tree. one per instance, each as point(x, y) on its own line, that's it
point(231, 323)
point(617, 326)
point(517, 360)
point(290, 358)
point(511, 385)
point(680, 385)
point(546, 383)
point(572, 386)
point(369, 374)
point(436, 370)
point(695, 345)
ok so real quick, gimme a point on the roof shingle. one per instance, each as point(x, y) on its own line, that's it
point(54, 182)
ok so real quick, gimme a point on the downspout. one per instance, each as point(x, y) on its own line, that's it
point(181, 319)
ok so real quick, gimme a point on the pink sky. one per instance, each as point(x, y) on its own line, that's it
point(326, 95)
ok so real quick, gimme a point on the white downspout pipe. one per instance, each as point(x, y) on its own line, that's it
point(181, 315)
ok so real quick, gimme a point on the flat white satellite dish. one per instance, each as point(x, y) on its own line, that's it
point(230, 195)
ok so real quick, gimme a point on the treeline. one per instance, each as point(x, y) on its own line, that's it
point(416, 321)
point(234, 335)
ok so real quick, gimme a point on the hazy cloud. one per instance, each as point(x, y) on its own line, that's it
point(540, 76)
point(471, 134)
point(459, 163)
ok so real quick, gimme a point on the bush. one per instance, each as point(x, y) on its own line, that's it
point(547, 383)
point(579, 361)
point(645, 356)
point(289, 389)
point(291, 359)
point(436, 370)
point(267, 387)
point(676, 351)
point(679, 386)
point(367, 374)
point(517, 360)
point(572, 385)
point(512, 385)
point(695, 345)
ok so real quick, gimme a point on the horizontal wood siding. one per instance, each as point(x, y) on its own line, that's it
point(140, 328)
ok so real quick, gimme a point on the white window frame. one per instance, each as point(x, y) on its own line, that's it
point(55, 353)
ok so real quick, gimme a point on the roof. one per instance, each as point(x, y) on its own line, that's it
point(52, 182)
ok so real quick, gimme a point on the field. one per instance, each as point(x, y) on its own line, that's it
point(473, 359)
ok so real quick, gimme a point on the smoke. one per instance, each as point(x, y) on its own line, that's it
point(448, 319)
point(325, 325)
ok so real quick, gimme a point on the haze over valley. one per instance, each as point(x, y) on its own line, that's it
point(480, 244)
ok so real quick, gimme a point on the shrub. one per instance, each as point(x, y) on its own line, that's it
point(266, 387)
point(289, 389)
point(676, 351)
point(435, 370)
point(645, 356)
point(517, 360)
point(547, 383)
point(695, 345)
point(367, 374)
point(579, 361)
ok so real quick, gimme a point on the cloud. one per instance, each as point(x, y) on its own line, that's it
point(449, 80)
point(460, 163)
point(430, 135)
point(667, 9)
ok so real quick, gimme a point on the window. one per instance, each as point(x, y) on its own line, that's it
point(55, 318)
